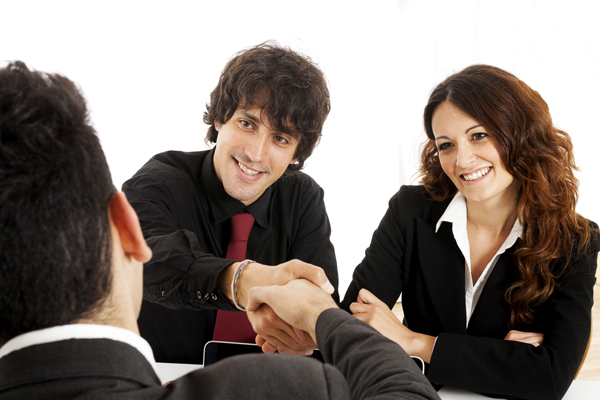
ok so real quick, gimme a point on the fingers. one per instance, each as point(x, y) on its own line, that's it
point(533, 338)
point(276, 334)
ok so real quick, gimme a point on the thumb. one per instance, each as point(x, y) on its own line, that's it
point(366, 297)
point(315, 275)
point(257, 296)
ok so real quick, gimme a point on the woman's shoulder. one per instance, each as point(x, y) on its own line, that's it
point(584, 258)
point(415, 200)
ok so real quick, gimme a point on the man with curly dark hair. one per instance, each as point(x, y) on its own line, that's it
point(265, 117)
point(71, 262)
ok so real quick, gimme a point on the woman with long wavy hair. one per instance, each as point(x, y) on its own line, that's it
point(495, 267)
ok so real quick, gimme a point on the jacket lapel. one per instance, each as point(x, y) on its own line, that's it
point(491, 315)
point(443, 267)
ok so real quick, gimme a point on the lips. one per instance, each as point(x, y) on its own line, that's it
point(477, 174)
point(247, 172)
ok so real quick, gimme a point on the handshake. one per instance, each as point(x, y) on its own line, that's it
point(283, 303)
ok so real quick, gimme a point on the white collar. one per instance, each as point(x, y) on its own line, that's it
point(457, 213)
point(79, 331)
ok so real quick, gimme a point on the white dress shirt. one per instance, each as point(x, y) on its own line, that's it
point(79, 331)
point(456, 214)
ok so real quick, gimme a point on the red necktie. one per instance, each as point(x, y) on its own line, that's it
point(233, 326)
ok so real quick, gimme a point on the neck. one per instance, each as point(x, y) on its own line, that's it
point(114, 312)
point(496, 217)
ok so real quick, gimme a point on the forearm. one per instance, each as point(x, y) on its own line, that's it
point(500, 367)
point(372, 364)
point(180, 275)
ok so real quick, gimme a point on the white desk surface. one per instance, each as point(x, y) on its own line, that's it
point(579, 390)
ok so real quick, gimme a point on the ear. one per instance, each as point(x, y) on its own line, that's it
point(217, 126)
point(126, 222)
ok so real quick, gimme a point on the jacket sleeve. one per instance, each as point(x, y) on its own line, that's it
point(374, 366)
point(180, 275)
point(312, 242)
point(381, 269)
point(513, 369)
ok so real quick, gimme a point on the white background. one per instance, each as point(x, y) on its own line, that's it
point(147, 68)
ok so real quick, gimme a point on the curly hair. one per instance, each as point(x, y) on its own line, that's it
point(537, 155)
point(288, 88)
point(55, 188)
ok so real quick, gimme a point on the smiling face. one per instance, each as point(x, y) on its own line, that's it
point(470, 159)
point(249, 156)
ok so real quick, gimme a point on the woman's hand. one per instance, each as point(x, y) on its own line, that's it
point(376, 313)
point(532, 338)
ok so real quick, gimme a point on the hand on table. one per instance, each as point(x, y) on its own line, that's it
point(368, 308)
point(531, 338)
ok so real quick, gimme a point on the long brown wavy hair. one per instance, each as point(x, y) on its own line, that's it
point(536, 154)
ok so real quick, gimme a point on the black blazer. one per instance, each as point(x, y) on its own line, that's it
point(407, 256)
point(108, 369)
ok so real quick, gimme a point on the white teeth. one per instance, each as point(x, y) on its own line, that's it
point(477, 175)
point(248, 170)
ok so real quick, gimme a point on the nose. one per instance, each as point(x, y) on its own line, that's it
point(465, 156)
point(257, 147)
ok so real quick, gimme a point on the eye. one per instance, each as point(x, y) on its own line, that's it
point(444, 146)
point(245, 124)
point(281, 139)
point(479, 135)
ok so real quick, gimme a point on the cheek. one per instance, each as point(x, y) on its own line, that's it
point(282, 158)
point(446, 163)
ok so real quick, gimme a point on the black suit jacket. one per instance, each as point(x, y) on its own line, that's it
point(106, 369)
point(407, 256)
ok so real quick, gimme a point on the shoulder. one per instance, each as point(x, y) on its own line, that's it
point(171, 165)
point(414, 200)
point(583, 261)
point(298, 183)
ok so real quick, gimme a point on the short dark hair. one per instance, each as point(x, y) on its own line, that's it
point(55, 189)
point(286, 85)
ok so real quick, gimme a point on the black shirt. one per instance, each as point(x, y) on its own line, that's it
point(184, 212)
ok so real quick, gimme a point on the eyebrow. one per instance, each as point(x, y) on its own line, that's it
point(249, 116)
point(466, 131)
point(473, 127)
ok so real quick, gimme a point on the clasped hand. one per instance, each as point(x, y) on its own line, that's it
point(273, 333)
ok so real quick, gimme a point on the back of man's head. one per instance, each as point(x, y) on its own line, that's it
point(290, 89)
point(55, 188)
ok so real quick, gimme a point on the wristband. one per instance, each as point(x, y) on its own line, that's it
point(236, 280)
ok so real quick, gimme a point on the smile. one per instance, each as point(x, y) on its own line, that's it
point(247, 170)
point(477, 175)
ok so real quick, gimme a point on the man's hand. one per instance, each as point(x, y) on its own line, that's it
point(277, 335)
point(273, 333)
point(376, 313)
point(256, 274)
point(298, 304)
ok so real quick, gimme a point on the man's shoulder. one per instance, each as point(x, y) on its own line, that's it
point(296, 187)
point(174, 164)
point(298, 179)
point(32, 366)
